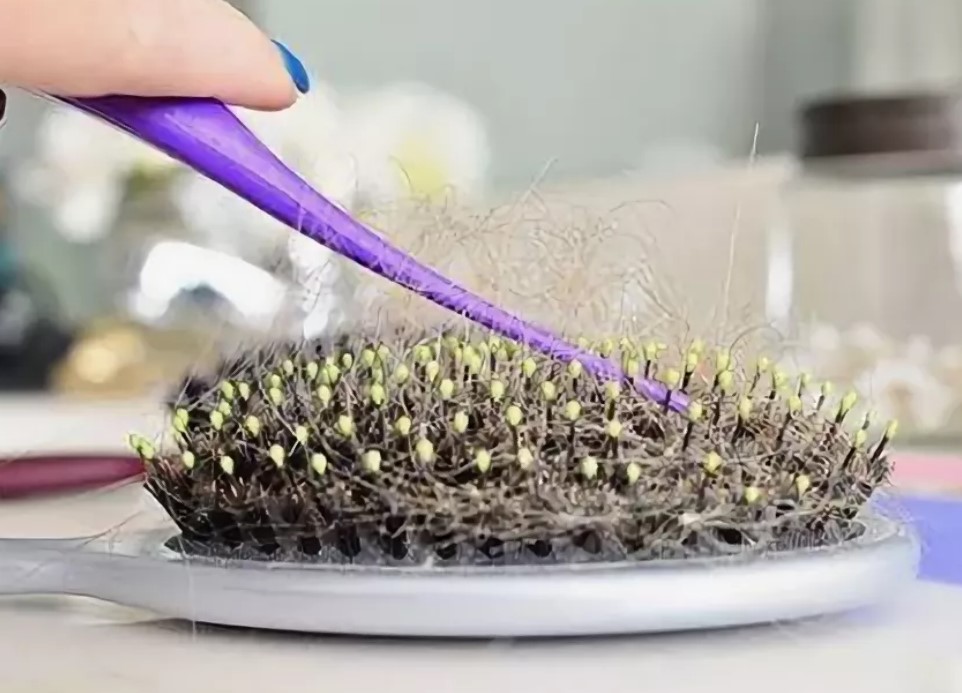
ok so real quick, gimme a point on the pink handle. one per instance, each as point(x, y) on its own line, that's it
point(38, 475)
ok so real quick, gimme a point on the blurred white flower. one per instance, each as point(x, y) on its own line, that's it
point(824, 339)
point(905, 389)
point(79, 171)
point(412, 141)
point(866, 338)
point(405, 142)
point(408, 142)
point(919, 349)
point(950, 358)
point(309, 137)
point(816, 353)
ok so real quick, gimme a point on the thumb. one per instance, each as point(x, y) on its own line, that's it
point(194, 48)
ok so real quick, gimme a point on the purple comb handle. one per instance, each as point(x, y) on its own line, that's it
point(205, 135)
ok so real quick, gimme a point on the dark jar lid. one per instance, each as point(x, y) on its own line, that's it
point(900, 134)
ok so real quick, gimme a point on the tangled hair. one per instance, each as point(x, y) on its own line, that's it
point(469, 448)
point(404, 437)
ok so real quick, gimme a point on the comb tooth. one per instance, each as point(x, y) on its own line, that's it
point(310, 546)
point(492, 548)
point(540, 548)
point(445, 548)
point(589, 542)
point(394, 540)
point(348, 541)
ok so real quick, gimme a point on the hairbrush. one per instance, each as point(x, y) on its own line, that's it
point(486, 481)
point(458, 484)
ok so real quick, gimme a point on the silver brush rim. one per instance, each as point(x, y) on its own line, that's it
point(519, 601)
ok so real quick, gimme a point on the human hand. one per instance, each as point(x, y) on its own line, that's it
point(190, 48)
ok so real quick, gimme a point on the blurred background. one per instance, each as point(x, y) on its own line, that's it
point(799, 159)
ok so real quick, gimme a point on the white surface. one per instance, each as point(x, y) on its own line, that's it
point(54, 644)
point(34, 424)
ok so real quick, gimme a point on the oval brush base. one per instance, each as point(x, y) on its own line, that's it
point(478, 602)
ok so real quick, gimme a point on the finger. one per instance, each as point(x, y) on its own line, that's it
point(143, 48)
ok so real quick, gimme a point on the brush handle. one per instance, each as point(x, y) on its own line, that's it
point(37, 566)
point(95, 566)
point(98, 567)
point(205, 135)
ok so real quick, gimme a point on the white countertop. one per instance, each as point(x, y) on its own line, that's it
point(38, 423)
point(60, 644)
point(84, 647)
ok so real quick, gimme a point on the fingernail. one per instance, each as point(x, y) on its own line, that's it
point(295, 68)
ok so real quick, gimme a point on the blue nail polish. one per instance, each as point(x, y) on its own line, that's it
point(295, 68)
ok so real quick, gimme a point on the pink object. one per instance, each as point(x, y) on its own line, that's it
point(39, 475)
point(928, 470)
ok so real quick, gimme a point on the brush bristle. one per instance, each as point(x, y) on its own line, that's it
point(473, 449)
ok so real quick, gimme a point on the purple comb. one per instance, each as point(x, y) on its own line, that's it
point(205, 135)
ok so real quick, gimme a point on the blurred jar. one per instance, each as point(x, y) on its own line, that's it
point(865, 260)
